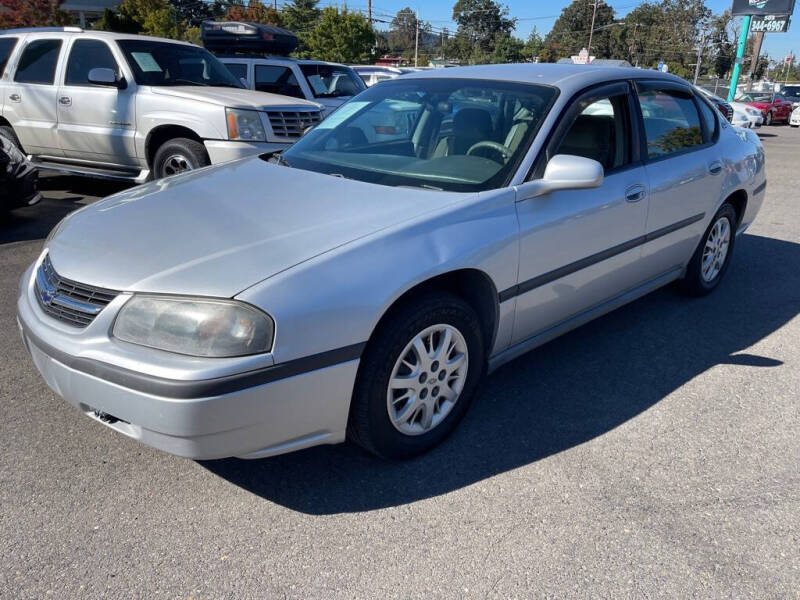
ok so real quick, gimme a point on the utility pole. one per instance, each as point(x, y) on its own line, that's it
point(633, 46)
point(369, 11)
point(416, 40)
point(754, 63)
point(591, 30)
point(699, 58)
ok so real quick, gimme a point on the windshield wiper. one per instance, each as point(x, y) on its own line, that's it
point(188, 82)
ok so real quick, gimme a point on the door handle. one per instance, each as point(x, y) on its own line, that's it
point(65, 100)
point(715, 168)
point(635, 193)
point(15, 97)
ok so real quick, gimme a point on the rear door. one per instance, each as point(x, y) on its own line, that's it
point(579, 248)
point(7, 45)
point(30, 98)
point(685, 170)
point(95, 122)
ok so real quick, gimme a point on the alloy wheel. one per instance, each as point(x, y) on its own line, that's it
point(715, 251)
point(427, 379)
point(176, 163)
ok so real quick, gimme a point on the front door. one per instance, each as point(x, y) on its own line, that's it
point(579, 248)
point(95, 122)
point(30, 102)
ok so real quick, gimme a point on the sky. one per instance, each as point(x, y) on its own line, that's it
point(542, 15)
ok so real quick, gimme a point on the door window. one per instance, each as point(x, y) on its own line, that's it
point(239, 70)
point(38, 62)
point(671, 122)
point(85, 56)
point(601, 132)
point(277, 80)
point(7, 45)
point(709, 120)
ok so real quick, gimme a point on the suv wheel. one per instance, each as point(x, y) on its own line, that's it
point(179, 155)
point(8, 131)
point(417, 377)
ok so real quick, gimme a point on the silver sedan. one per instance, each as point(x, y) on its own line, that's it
point(361, 283)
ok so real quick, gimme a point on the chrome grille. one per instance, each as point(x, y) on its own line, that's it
point(729, 113)
point(292, 124)
point(69, 301)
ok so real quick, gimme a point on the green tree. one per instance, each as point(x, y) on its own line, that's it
point(508, 49)
point(402, 35)
point(301, 17)
point(534, 45)
point(341, 36)
point(147, 17)
point(722, 43)
point(480, 22)
point(570, 32)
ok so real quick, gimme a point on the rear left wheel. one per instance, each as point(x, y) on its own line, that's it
point(713, 255)
point(417, 377)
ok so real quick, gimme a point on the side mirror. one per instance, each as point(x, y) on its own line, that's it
point(564, 172)
point(104, 76)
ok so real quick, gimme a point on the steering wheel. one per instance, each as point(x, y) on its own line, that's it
point(499, 148)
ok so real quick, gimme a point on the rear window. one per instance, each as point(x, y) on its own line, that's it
point(671, 122)
point(277, 80)
point(7, 45)
point(38, 62)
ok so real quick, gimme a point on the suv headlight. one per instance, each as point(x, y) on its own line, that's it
point(194, 326)
point(245, 125)
point(753, 111)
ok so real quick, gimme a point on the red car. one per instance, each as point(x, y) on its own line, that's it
point(774, 107)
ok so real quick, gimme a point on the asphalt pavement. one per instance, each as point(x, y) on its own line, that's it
point(652, 453)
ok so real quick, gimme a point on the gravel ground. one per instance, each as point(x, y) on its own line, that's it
point(653, 453)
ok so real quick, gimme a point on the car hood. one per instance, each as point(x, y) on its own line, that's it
point(236, 98)
point(219, 231)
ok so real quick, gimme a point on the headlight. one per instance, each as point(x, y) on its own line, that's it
point(753, 111)
point(197, 327)
point(245, 125)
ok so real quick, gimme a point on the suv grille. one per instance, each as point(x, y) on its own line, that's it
point(69, 301)
point(729, 113)
point(292, 124)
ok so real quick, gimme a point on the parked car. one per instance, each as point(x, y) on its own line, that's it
point(134, 107)
point(330, 84)
point(372, 74)
point(794, 121)
point(368, 292)
point(791, 93)
point(19, 179)
point(774, 107)
point(738, 113)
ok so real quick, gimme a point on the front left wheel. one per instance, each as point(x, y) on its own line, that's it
point(417, 377)
point(179, 155)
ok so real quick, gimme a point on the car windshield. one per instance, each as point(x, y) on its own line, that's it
point(332, 81)
point(445, 134)
point(755, 98)
point(163, 63)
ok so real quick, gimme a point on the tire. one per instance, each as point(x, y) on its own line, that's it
point(179, 155)
point(9, 132)
point(376, 421)
point(768, 119)
point(698, 280)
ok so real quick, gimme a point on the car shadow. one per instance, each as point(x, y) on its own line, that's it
point(563, 394)
point(61, 194)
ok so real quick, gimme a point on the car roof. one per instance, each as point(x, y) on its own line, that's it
point(561, 76)
point(285, 59)
point(77, 31)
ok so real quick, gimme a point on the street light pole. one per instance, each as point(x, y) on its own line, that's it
point(416, 40)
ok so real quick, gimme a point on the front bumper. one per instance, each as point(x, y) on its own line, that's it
point(220, 151)
point(190, 414)
point(794, 119)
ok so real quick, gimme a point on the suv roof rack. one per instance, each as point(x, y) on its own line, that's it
point(67, 29)
point(241, 37)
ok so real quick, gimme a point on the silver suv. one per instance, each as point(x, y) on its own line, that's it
point(134, 107)
point(330, 84)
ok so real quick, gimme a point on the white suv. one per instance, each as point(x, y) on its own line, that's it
point(330, 84)
point(134, 107)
